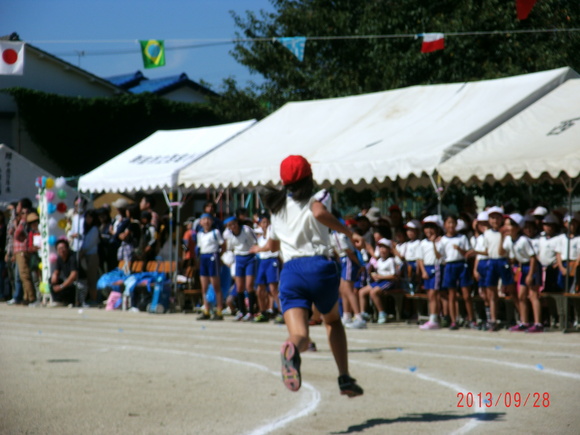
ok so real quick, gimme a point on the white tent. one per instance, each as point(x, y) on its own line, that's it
point(542, 140)
point(153, 163)
point(18, 176)
point(395, 135)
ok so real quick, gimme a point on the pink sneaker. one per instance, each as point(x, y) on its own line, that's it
point(520, 327)
point(536, 328)
point(290, 366)
point(429, 325)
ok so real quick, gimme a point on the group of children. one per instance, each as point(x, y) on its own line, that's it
point(440, 257)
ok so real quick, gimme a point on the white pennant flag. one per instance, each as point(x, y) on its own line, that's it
point(11, 58)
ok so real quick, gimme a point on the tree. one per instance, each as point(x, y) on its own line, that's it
point(339, 67)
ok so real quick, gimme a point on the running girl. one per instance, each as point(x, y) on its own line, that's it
point(300, 223)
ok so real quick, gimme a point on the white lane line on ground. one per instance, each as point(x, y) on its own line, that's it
point(469, 426)
point(495, 361)
point(308, 403)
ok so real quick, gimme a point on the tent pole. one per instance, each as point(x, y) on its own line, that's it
point(177, 242)
point(438, 191)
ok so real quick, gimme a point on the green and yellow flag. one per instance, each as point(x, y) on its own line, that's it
point(153, 52)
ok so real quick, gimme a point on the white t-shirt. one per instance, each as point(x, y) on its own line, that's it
point(386, 266)
point(449, 252)
point(491, 243)
point(477, 243)
point(523, 249)
point(298, 231)
point(241, 243)
point(410, 250)
point(547, 249)
point(210, 242)
point(562, 247)
point(262, 241)
point(428, 252)
point(341, 243)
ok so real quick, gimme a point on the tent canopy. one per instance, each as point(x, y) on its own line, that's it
point(541, 141)
point(401, 134)
point(153, 163)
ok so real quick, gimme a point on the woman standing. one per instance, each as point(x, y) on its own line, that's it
point(300, 226)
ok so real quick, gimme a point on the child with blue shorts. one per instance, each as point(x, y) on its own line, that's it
point(480, 225)
point(431, 270)
point(210, 242)
point(497, 249)
point(240, 240)
point(457, 273)
point(300, 223)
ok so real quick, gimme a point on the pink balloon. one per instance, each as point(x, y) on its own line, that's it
point(52, 257)
point(49, 195)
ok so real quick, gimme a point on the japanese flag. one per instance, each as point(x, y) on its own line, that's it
point(11, 58)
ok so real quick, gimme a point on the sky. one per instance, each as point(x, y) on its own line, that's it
point(99, 28)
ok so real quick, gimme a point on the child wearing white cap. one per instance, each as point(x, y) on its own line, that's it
point(384, 278)
point(568, 251)
point(431, 269)
point(457, 274)
point(480, 225)
point(499, 267)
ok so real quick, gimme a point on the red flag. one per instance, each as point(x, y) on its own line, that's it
point(524, 7)
point(432, 42)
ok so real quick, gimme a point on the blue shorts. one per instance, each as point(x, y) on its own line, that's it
point(362, 279)
point(498, 268)
point(209, 265)
point(482, 270)
point(246, 265)
point(349, 270)
point(385, 284)
point(434, 281)
point(561, 280)
point(457, 275)
point(309, 280)
point(536, 276)
point(268, 271)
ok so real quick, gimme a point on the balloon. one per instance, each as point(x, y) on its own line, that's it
point(52, 223)
point(52, 257)
point(52, 240)
point(61, 194)
point(49, 183)
point(51, 208)
point(62, 224)
point(40, 266)
point(49, 195)
point(38, 182)
point(43, 287)
point(43, 182)
point(61, 207)
point(60, 182)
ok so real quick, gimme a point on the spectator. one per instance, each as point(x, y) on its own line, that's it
point(147, 203)
point(146, 249)
point(107, 255)
point(565, 253)
point(89, 255)
point(21, 254)
point(75, 234)
point(3, 230)
point(34, 244)
point(64, 277)
point(11, 265)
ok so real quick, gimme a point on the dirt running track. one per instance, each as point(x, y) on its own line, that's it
point(71, 371)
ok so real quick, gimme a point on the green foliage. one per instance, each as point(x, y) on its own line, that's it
point(82, 133)
point(339, 67)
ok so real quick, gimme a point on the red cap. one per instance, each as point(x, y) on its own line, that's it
point(293, 169)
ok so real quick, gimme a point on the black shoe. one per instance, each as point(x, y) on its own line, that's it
point(349, 387)
point(203, 316)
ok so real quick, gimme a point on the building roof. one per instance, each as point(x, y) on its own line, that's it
point(137, 83)
point(68, 66)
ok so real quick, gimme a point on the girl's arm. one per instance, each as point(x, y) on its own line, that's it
point(530, 276)
point(322, 215)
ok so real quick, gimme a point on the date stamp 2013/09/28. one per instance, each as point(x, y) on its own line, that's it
point(507, 400)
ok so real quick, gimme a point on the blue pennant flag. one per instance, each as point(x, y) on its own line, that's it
point(295, 44)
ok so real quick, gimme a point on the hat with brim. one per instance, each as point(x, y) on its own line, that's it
point(385, 242)
point(494, 210)
point(32, 217)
